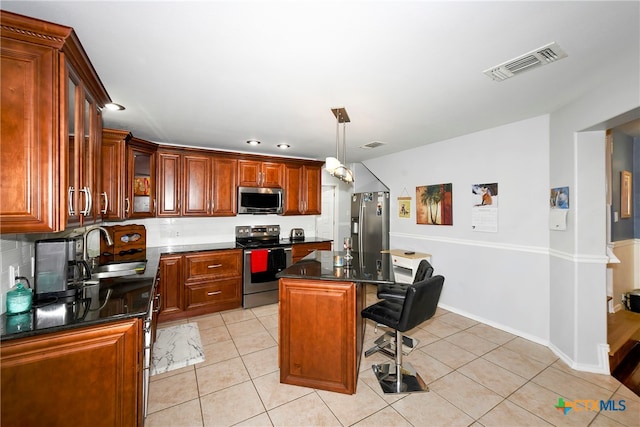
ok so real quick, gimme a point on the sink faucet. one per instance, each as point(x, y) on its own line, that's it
point(86, 234)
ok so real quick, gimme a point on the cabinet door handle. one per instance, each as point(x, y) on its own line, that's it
point(158, 303)
point(106, 202)
point(90, 201)
point(71, 210)
point(209, 294)
point(87, 201)
point(214, 266)
point(126, 205)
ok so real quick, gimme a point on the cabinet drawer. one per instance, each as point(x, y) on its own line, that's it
point(213, 265)
point(211, 293)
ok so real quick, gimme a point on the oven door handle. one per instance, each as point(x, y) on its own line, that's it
point(248, 251)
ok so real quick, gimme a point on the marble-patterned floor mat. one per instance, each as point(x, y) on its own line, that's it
point(176, 347)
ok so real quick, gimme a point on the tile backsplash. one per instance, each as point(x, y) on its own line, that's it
point(15, 251)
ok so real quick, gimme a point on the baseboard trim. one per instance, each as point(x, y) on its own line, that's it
point(603, 349)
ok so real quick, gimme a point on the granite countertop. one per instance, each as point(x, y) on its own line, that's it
point(110, 300)
point(366, 267)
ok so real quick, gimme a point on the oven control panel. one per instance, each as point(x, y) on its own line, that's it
point(249, 231)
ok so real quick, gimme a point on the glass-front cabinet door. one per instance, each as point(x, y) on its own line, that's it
point(88, 154)
point(73, 119)
point(141, 188)
point(83, 129)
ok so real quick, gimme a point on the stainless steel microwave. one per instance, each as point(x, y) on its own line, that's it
point(256, 200)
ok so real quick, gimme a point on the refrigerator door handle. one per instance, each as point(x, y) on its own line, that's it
point(361, 224)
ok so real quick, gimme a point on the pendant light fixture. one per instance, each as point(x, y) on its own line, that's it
point(333, 164)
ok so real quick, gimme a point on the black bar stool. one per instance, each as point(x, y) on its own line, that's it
point(420, 303)
point(396, 292)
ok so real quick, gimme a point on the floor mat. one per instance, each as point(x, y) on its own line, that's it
point(176, 347)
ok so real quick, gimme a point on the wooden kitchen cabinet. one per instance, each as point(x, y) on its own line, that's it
point(224, 186)
point(114, 178)
point(196, 185)
point(128, 176)
point(301, 250)
point(303, 189)
point(141, 179)
point(84, 130)
point(200, 283)
point(209, 185)
point(213, 281)
point(169, 181)
point(89, 376)
point(171, 287)
point(256, 173)
point(51, 99)
point(314, 316)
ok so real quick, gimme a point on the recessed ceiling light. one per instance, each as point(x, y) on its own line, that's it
point(283, 146)
point(253, 142)
point(113, 106)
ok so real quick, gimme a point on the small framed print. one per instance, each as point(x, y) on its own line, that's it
point(626, 194)
point(404, 207)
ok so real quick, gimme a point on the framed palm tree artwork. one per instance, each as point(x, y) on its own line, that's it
point(434, 204)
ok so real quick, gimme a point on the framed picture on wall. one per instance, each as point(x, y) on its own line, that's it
point(626, 194)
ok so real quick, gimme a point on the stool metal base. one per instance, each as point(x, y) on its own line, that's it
point(386, 344)
point(409, 381)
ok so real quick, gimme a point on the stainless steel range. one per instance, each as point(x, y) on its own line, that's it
point(265, 255)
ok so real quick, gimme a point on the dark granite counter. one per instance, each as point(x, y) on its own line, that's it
point(110, 300)
point(107, 301)
point(366, 267)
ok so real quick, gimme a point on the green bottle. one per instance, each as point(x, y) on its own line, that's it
point(19, 300)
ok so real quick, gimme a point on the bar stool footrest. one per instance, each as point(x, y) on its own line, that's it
point(410, 381)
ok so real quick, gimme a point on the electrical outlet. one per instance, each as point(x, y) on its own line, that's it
point(12, 276)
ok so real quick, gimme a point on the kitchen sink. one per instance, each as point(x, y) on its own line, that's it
point(118, 269)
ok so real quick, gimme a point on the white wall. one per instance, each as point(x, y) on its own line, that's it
point(499, 278)
point(578, 256)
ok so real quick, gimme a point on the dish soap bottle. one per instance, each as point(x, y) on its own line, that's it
point(19, 300)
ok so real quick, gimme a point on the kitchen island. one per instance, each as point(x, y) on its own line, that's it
point(321, 331)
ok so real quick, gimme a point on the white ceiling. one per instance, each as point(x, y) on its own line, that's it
point(217, 73)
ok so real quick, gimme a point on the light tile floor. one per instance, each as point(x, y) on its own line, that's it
point(477, 375)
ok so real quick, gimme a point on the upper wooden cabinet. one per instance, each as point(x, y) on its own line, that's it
point(141, 179)
point(196, 183)
point(209, 185)
point(255, 173)
point(50, 127)
point(302, 184)
point(224, 186)
point(169, 181)
point(114, 178)
point(128, 176)
point(84, 129)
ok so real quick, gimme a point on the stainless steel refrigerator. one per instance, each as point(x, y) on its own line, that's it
point(370, 221)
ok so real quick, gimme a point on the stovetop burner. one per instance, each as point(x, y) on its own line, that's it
point(259, 236)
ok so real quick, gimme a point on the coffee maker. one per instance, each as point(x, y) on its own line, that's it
point(59, 268)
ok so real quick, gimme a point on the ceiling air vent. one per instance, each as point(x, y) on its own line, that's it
point(534, 59)
point(373, 144)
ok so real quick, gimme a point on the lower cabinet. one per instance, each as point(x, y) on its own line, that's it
point(301, 250)
point(321, 333)
point(200, 282)
point(171, 289)
point(84, 377)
